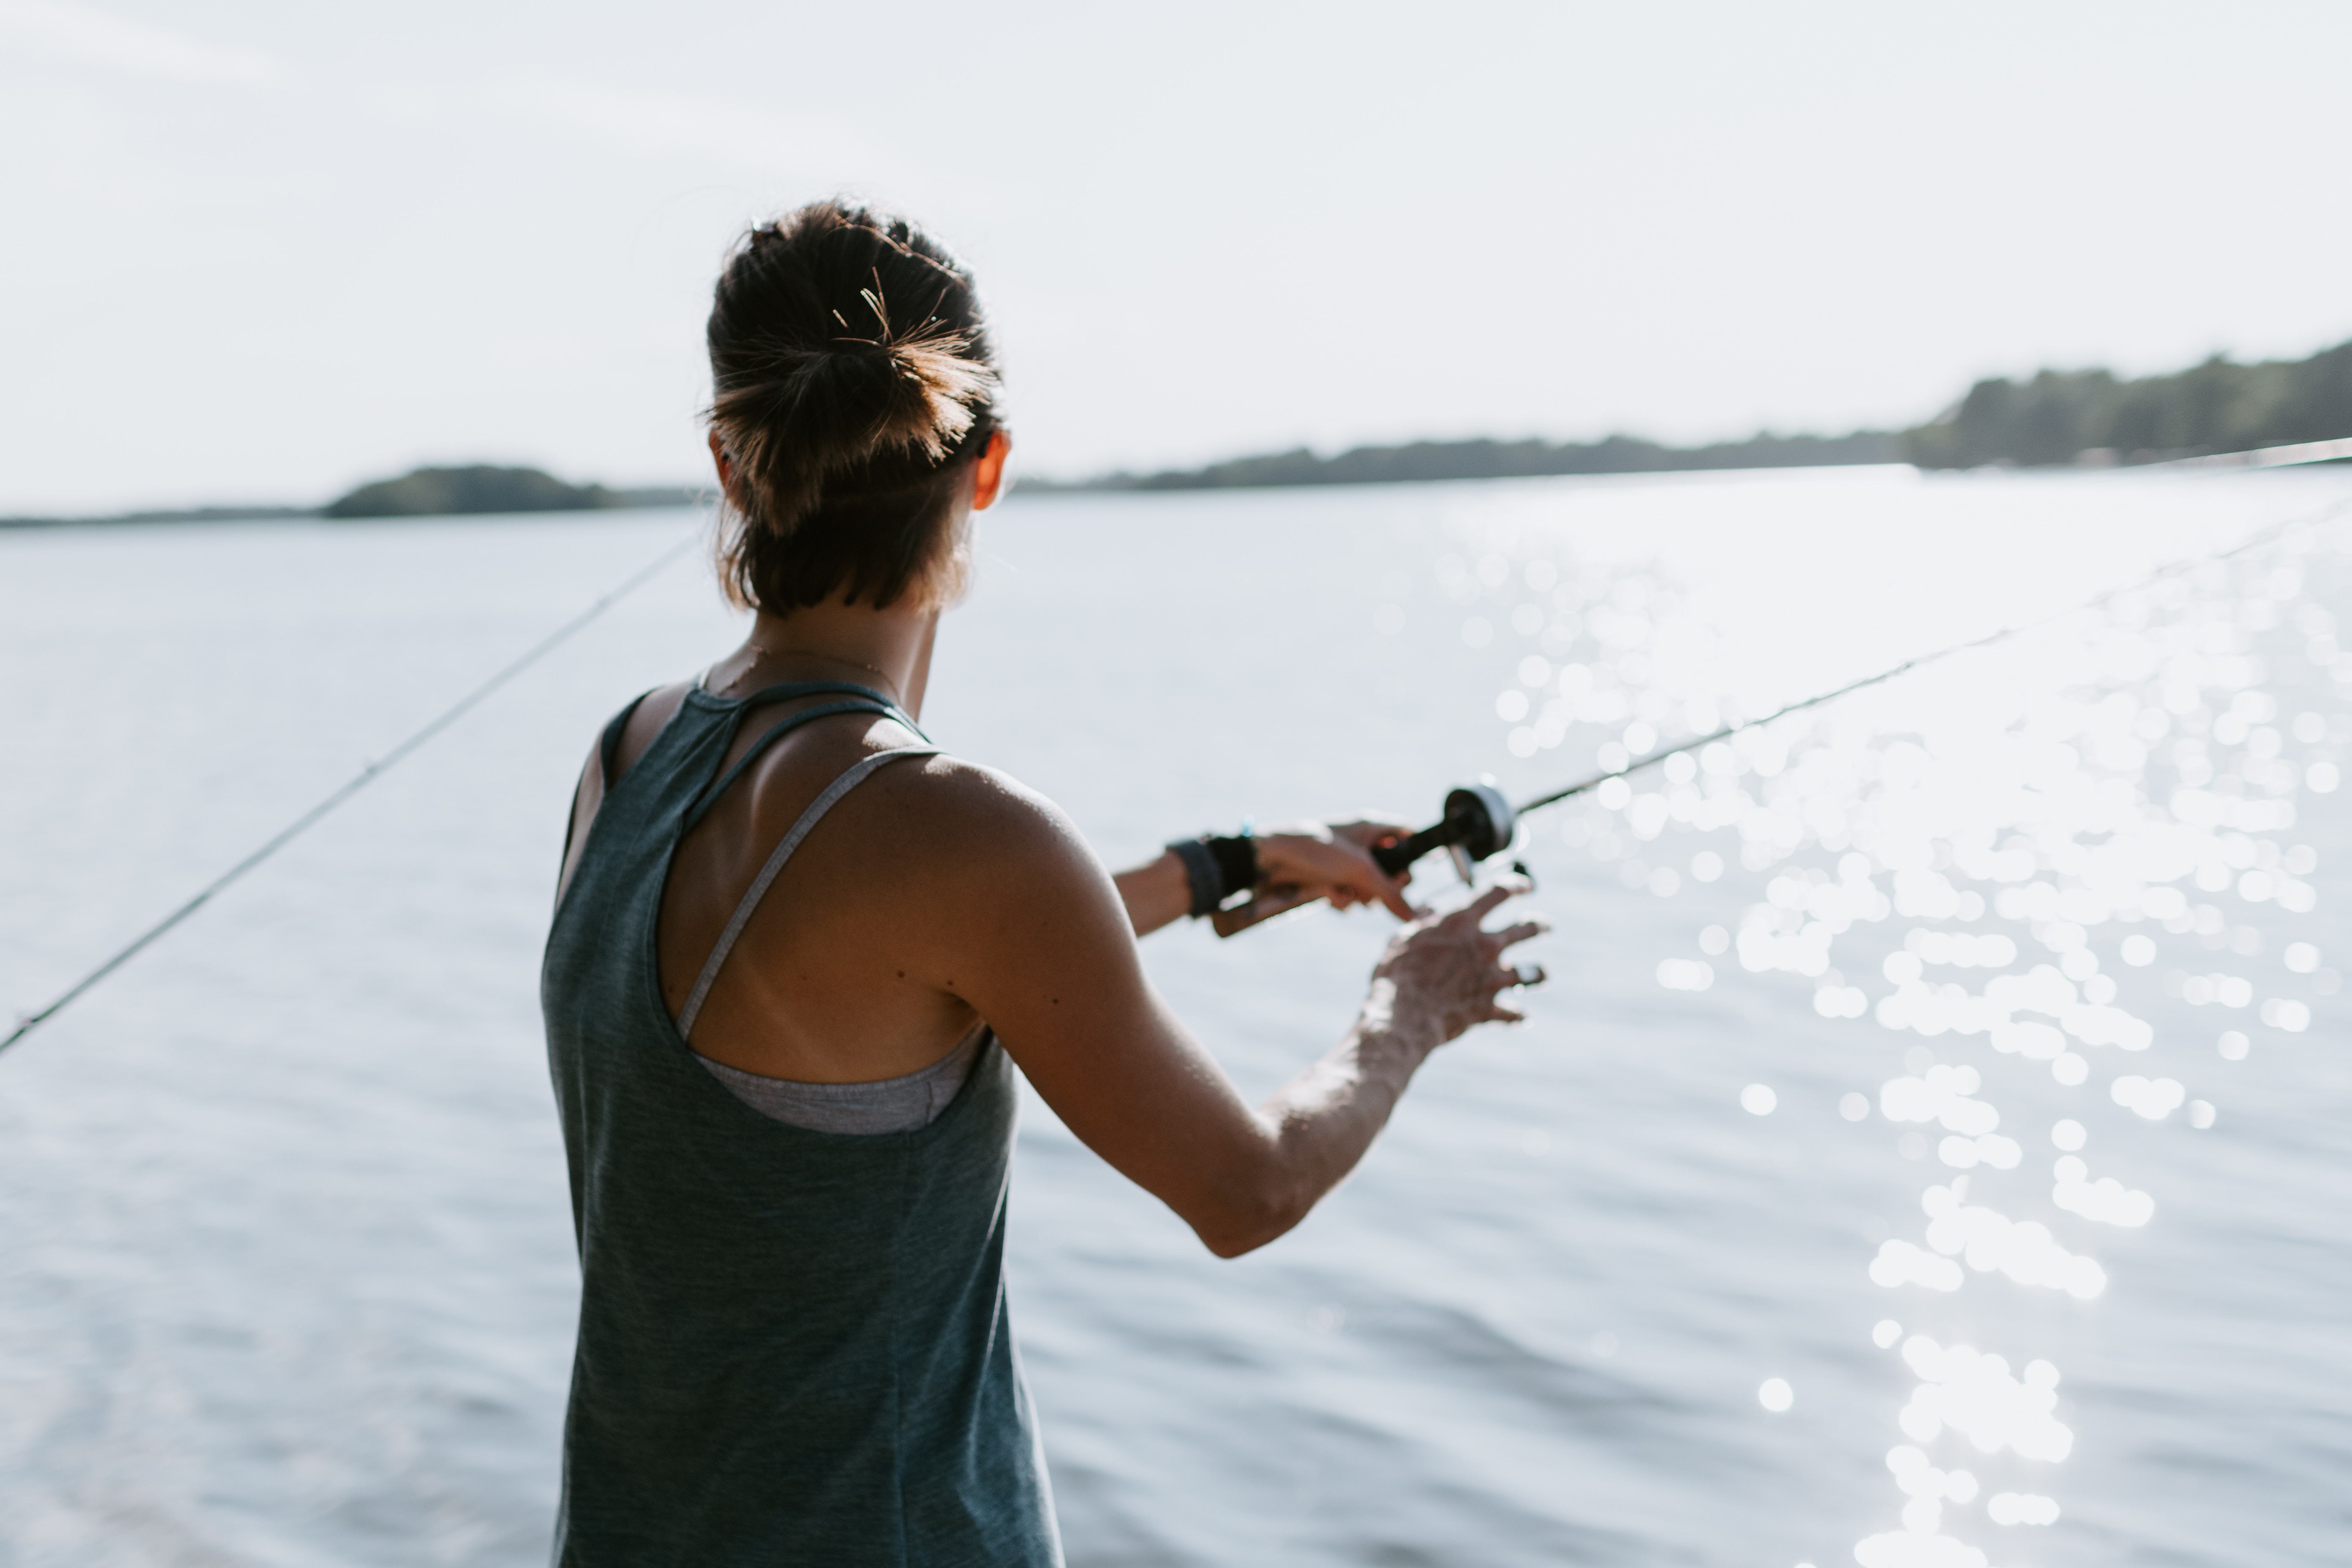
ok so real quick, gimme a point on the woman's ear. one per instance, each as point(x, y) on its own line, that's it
point(725, 469)
point(987, 469)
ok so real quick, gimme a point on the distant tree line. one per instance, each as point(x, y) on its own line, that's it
point(1487, 459)
point(2068, 416)
point(2057, 416)
point(2054, 417)
point(450, 492)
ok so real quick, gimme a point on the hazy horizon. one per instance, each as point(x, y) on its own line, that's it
point(268, 254)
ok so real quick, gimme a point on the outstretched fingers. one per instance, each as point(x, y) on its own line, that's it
point(1495, 1010)
point(1510, 977)
point(1506, 976)
point(1511, 936)
point(1452, 973)
point(1488, 903)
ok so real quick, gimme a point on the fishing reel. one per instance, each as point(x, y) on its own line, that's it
point(1478, 823)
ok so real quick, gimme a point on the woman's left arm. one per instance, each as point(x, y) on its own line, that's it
point(1322, 860)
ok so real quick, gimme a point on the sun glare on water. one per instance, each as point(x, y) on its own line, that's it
point(2037, 857)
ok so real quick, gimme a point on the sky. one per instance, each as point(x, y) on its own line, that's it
point(258, 250)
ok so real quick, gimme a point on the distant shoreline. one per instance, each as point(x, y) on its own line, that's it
point(145, 519)
point(2089, 418)
point(1423, 462)
point(476, 492)
point(222, 514)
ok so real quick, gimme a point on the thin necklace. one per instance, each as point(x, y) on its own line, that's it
point(759, 648)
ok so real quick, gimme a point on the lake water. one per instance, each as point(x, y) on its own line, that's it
point(1937, 1122)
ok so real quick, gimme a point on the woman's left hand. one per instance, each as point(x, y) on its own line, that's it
point(1334, 861)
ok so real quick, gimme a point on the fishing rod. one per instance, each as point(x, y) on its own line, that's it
point(1478, 821)
point(27, 1021)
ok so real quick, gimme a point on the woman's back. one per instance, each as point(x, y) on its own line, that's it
point(830, 977)
point(789, 1339)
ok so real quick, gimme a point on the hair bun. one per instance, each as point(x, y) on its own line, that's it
point(849, 367)
point(923, 384)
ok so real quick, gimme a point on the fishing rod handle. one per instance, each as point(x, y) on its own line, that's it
point(1266, 904)
point(1393, 856)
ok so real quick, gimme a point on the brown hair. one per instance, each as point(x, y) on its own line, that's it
point(852, 383)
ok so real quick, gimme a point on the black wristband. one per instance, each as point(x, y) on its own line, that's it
point(1200, 873)
point(1236, 864)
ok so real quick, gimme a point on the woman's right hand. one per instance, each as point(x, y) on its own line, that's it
point(1442, 974)
point(1334, 861)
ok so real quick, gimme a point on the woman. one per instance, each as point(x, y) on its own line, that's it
point(797, 953)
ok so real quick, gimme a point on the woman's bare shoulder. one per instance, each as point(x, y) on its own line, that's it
point(995, 881)
point(975, 839)
point(977, 814)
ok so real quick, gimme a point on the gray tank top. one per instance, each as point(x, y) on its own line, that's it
point(794, 1345)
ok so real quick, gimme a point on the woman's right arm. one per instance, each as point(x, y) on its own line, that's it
point(1033, 934)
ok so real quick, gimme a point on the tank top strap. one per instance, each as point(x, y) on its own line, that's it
point(608, 744)
point(880, 706)
point(784, 692)
point(787, 690)
point(849, 779)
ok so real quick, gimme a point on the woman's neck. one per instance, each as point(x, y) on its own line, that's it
point(889, 650)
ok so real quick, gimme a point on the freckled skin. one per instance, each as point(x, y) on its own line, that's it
point(937, 868)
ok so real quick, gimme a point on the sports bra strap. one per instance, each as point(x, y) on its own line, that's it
point(850, 778)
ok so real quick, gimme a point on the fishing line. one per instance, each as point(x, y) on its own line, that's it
point(1651, 759)
point(1478, 822)
point(27, 1023)
point(1481, 822)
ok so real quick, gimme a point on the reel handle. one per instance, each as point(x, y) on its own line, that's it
point(1478, 822)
